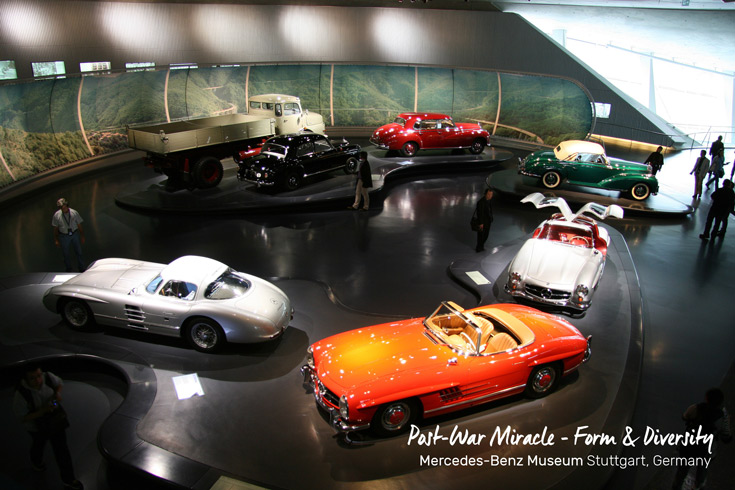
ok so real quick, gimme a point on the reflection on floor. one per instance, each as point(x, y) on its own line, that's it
point(393, 261)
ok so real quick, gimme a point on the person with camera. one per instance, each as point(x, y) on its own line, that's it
point(37, 404)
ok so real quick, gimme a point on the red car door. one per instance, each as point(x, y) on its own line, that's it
point(430, 134)
point(450, 134)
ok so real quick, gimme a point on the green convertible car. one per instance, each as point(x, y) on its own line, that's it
point(585, 163)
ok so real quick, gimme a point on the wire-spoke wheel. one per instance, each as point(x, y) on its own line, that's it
point(76, 314)
point(204, 335)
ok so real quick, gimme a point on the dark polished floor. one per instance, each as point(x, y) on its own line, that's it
point(393, 262)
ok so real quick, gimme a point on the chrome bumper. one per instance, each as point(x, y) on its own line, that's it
point(380, 145)
point(563, 303)
point(257, 182)
point(311, 380)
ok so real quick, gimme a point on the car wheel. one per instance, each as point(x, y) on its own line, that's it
point(294, 179)
point(204, 335)
point(542, 381)
point(409, 149)
point(640, 191)
point(394, 418)
point(351, 165)
point(77, 314)
point(208, 172)
point(477, 146)
point(551, 179)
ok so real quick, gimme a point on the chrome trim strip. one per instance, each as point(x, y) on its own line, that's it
point(465, 402)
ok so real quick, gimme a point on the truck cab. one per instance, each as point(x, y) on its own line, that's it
point(287, 111)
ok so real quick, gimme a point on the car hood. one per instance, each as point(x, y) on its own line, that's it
point(367, 356)
point(116, 274)
point(630, 167)
point(551, 264)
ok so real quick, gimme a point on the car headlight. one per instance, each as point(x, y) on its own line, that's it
point(344, 409)
point(514, 280)
point(310, 358)
point(581, 292)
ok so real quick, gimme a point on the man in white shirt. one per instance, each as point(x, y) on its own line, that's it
point(68, 234)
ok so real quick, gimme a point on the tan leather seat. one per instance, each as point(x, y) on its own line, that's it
point(457, 341)
point(486, 326)
point(502, 342)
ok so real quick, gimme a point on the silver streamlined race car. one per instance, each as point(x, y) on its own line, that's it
point(561, 265)
point(197, 298)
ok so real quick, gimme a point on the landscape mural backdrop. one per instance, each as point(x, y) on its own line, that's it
point(47, 123)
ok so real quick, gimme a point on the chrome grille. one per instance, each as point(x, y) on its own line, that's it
point(547, 293)
point(327, 395)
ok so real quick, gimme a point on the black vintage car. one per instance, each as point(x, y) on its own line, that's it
point(286, 160)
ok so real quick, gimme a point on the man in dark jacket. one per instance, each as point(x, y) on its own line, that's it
point(723, 202)
point(364, 182)
point(717, 146)
point(484, 218)
point(656, 160)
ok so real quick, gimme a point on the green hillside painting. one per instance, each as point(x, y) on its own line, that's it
point(46, 123)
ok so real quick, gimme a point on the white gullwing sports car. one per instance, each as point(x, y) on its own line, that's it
point(197, 298)
point(561, 265)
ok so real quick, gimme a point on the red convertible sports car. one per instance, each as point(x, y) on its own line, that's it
point(386, 376)
point(412, 131)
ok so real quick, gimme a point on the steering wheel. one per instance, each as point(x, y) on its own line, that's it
point(467, 339)
point(585, 239)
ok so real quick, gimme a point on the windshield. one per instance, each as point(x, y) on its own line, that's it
point(461, 331)
point(153, 285)
point(231, 284)
point(567, 234)
point(400, 120)
point(274, 148)
point(590, 158)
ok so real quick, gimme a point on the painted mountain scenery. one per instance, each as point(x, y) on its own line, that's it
point(46, 123)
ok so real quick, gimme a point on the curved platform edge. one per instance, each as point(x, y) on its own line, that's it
point(493, 269)
point(330, 190)
point(511, 183)
point(117, 438)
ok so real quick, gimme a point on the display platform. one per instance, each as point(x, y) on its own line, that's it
point(254, 416)
point(510, 182)
point(330, 189)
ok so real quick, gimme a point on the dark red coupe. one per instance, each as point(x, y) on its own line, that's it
point(414, 131)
